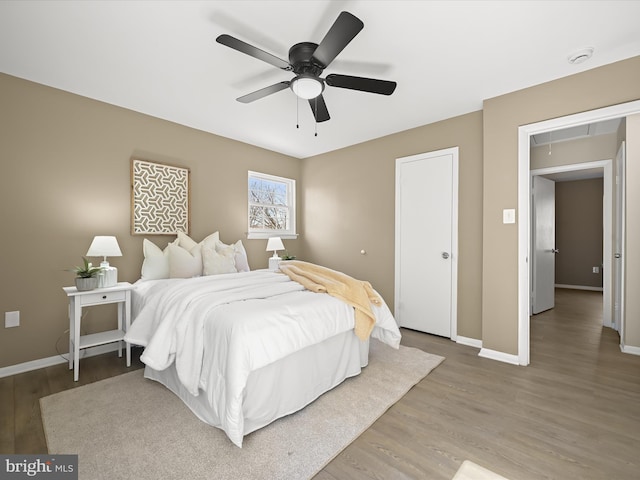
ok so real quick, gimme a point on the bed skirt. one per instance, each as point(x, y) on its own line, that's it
point(285, 386)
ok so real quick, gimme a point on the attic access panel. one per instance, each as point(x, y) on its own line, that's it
point(159, 198)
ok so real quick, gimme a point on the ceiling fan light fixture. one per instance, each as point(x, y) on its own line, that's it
point(307, 87)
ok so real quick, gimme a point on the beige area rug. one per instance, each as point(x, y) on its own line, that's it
point(129, 427)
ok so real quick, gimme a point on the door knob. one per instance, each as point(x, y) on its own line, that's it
point(445, 255)
point(555, 250)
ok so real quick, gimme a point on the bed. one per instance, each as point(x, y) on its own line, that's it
point(243, 349)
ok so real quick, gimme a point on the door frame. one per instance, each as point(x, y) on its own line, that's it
point(620, 241)
point(524, 194)
point(607, 225)
point(454, 152)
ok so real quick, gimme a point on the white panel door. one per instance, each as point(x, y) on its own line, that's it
point(426, 242)
point(544, 244)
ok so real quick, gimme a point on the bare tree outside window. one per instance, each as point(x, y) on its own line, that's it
point(270, 200)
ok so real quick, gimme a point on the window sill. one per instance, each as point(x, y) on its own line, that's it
point(265, 236)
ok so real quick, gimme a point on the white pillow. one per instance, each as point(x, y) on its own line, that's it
point(184, 263)
point(156, 262)
point(185, 257)
point(185, 241)
point(211, 240)
point(240, 254)
point(216, 261)
point(189, 244)
point(242, 263)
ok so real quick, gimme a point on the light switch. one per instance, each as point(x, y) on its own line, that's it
point(11, 319)
point(509, 215)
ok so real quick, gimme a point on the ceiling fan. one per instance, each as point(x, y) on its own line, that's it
point(307, 60)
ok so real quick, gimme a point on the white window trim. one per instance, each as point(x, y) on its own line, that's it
point(288, 234)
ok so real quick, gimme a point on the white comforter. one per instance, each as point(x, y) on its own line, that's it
point(218, 329)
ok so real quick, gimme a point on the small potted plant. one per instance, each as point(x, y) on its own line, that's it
point(86, 276)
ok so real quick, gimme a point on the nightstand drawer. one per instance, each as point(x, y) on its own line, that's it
point(102, 297)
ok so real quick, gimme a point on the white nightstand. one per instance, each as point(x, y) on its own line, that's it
point(120, 294)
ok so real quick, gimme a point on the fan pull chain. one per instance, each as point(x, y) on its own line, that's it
point(315, 116)
point(297, 112)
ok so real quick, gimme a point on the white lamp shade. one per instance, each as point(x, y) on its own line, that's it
point(104, 246)
point(274, 244)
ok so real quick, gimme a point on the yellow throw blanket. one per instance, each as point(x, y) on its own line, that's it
point(357, 293)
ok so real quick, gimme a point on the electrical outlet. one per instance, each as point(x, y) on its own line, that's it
point(11, 319)
point(596, 269)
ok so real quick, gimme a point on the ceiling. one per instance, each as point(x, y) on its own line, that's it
point(574, 175)
point(577, 132)
point(160, 58)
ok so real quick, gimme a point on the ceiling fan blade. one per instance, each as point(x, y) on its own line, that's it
point(263, 92)
point(319, 109)
point(372, 85)
point(343, 30)
point(252, 51)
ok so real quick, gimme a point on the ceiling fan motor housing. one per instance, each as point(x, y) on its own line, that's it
point(301, 58)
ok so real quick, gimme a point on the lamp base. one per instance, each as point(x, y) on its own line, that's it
point(274, 263)
point(108, 277)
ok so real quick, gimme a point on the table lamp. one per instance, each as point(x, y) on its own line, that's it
point(275, 244)
point(105, 246)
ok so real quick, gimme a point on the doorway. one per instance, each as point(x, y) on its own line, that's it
point(577, 171)
point(524, 134)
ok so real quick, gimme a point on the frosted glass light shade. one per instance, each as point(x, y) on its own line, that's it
point(306, 87)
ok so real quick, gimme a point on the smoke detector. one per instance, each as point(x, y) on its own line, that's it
point(580, 56)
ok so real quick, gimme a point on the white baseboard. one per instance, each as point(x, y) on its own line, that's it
point(55, 360)
point(471, 342)
point(579, 287)
point(629, 349)
point(499, 356)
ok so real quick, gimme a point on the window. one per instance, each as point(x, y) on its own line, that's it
point(272, 206)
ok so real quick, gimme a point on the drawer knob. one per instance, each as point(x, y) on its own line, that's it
point(104, 297)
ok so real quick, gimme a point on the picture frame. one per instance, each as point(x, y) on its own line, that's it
point(160, 203)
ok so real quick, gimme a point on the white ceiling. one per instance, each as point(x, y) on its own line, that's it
point(573, 175)
point(161, 58)
point(573, 133)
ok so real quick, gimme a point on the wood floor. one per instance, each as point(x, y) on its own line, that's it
point(574, 413)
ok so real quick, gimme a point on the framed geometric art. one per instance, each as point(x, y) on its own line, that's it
point(159, 198)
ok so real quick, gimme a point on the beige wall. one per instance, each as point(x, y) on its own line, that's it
point(579, 232)
point(349, 204)
point(600, 87)
point(66, 177)
point(632, 253)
